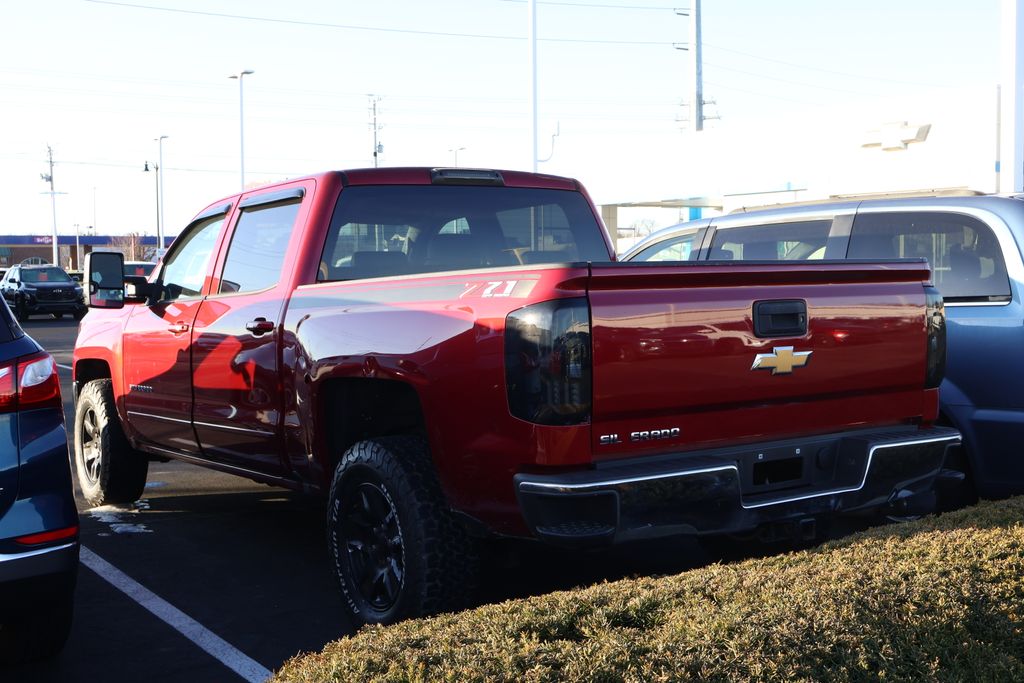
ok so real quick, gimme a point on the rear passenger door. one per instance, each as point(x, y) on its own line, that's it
point(236, 336)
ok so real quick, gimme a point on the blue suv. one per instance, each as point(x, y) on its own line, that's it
point(973, 243)
point(38, 518)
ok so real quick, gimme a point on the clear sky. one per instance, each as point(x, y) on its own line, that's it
point(99, 80)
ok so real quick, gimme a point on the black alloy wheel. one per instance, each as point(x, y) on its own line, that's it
point(372, 540)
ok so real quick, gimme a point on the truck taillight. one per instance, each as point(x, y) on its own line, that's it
point(547, 362)
point(935, 324)
point(29, 382)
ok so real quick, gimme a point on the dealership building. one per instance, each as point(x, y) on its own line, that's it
point(72, 250)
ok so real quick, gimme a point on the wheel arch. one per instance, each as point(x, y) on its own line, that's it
point(89, 369)
point(354, 409)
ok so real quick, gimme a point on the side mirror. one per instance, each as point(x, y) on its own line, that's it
point(104, 272)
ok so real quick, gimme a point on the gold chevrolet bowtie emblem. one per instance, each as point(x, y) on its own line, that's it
point(781, 360)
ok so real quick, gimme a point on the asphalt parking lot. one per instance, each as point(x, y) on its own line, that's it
point(215, 578)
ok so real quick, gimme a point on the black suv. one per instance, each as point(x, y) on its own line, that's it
point(38, 518)
point(35, 290)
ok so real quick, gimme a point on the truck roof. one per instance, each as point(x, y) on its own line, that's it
point(426, 175)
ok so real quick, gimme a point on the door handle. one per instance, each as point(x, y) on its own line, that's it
point(260, 326)
point(177, 328)
point(780, 318)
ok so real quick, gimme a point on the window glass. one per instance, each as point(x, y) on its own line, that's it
point(679, 248)
point(798, 241)
point(185, 268)
point(258, 247)
point(965, 257)
point(383, 230)
point(44, 275)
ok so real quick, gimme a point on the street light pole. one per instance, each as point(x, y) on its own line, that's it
point(156, 178)
point(241, 122)
point(531, 10)
point(160, 197)
point(456, 152)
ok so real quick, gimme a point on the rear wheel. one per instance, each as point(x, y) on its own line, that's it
point(396, 548)
point(109, 469)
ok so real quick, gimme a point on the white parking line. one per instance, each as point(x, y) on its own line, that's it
point(65, 367)
point(220, 649)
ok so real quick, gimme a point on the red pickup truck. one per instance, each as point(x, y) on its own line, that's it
point(446, 354)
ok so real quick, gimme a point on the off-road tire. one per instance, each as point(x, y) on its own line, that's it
point(437, 558)
point(109, 469)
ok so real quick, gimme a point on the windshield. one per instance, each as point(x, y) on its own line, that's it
point(44, 275)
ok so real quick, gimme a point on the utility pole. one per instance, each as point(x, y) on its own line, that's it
point(377, 147)
point(53, 201)
point(1011, 104)
point(695, 49)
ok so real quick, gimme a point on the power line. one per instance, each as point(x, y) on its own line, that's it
point(662, 8)
point(819, 69)
point(759, 94)
point(790, 82)
point(378, 29)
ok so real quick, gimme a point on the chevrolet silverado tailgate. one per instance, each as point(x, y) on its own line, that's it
point(689, 356)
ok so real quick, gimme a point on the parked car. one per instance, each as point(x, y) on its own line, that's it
point(42, 290)
point(973, 243)
point(38, 519)
point(445, 354)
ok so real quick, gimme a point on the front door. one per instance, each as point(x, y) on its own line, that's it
point(156, 350)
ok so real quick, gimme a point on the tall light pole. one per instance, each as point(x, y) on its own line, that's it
point(156, 178)
point(456, 151)
point(241, 122)
point(160, 198)
point(532, 12)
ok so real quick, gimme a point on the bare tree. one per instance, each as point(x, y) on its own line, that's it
point(130, 245)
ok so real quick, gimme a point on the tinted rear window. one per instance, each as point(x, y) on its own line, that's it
point(385, 230)
point(966, 260)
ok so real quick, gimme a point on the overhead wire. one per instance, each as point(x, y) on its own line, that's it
point(379, 29)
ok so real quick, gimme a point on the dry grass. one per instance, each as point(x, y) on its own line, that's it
point(936, 600)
